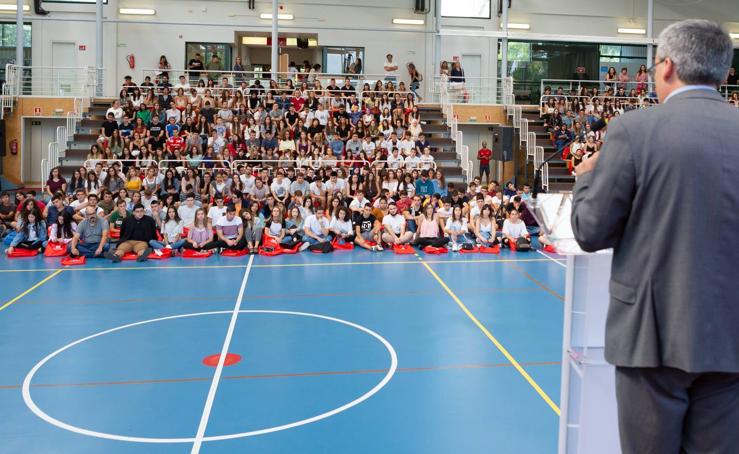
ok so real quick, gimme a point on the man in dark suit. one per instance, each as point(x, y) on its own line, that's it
point(662, 193)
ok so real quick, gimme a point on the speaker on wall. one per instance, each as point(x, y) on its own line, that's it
point(420, 7)
point(503, 143)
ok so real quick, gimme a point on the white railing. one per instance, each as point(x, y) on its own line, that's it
point(567, 85)
point(472, 90)
point(539, 151)
point(45, 170)
point(51, 81)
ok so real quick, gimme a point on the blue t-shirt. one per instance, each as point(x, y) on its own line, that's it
point(172, 129)
point(424, 189)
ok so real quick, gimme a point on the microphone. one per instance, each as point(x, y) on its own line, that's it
point(594, 127)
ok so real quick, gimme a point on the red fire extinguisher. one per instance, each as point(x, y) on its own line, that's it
point(131, 61)
point(14, 146)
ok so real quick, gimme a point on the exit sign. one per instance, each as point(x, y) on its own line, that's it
point(82, 47)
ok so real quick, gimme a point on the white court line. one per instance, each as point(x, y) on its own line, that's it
point(552, 259)
point(219, 368)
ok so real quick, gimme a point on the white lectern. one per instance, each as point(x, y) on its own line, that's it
point(588, 423)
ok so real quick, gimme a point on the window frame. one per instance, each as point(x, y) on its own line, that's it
point(489, 16)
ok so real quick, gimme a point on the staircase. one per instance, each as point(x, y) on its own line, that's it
point(442, 146)
point(87, 132)
point(560, 178)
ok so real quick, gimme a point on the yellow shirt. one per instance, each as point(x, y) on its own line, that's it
point(134, 184)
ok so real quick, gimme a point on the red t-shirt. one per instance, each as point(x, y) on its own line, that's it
point(484, 156)
point(176, 143)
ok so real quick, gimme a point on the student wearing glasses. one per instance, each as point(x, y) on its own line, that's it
point(91, 238)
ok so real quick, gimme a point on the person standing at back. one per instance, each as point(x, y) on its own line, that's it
point(673, 321)
point(484, 155)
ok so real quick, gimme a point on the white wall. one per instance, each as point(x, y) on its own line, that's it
point(337, 23)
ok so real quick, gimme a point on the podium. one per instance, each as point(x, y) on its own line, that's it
point(588, 416)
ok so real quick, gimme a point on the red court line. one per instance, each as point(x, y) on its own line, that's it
point(537, 282)
point(283, 375)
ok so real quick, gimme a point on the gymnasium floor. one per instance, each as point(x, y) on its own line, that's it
point(346, 352)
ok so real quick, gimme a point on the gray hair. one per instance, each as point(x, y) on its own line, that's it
point(701, 51)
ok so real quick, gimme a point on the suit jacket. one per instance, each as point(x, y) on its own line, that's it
point(664, 196)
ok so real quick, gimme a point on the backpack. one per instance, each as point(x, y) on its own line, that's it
point(324, 247)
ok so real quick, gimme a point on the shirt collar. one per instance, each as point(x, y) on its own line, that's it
point(689, 88)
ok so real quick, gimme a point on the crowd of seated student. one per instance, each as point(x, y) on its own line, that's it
point(108, 224)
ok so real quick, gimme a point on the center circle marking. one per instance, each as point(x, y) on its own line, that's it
point(28, 400)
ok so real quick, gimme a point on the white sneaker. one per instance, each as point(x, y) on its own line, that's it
point(379, 248)
point(169, 246)
point(374, 248)
point(304, 246)
point(158, 252)
point(455, 248)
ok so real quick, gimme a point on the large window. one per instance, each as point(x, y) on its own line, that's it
point(478, 9)
point(207, 51)
point(7, 46)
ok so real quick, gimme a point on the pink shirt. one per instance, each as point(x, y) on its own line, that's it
point(429, 229)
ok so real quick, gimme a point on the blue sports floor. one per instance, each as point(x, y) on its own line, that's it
point(350, 352)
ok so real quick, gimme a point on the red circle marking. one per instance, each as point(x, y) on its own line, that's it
point(231, 359)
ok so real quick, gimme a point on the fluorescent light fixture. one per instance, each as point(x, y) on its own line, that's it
point(408, 21)
point(514, 26)
point(279, 16)
point(312, 42)
point(137, 11)
point(254, 40)
point(13, 8)
point(632, 31)
point(734, 35)
point(291, 41)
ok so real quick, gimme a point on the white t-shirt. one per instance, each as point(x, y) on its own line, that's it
point(393, 223)
point(459, 226)
point(316, 225)
point(357, 204)
point(405, 146)
point(280, 188)
point(394, 162)
point(248, 182)
point(426, 161)
point(215, 213)
point(322, 116)
point(516, 230)
point(117, 114)
point(187, 214)
point(368, 147)
point(412, 162)
point(230, 228)
point(390, 73)
point(337, 186)
point(343, 227)
point(315, 190)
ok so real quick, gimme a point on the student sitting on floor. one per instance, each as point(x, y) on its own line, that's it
point(367, 229)
point(274, 226)
point(31, 233)
point(394, 227)
point(253, 227)
point(294, 226)
point(316, 230)
point(91, 237)
point(229, 232)
point(341, 226)
point(172, 229)
point(136, 233)
point(62, 231)
point(456, 229)
point(199, 233)
point(514, 228)
point(429, 229)
point(117, 217)
point(485, 227)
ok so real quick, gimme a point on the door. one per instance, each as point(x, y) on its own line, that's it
point(38, 134)
point(472, 66)
point(63, 81)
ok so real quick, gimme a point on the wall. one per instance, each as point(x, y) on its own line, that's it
point(337, 23)
point(25, 107)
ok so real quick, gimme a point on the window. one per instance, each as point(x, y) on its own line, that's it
point(517, 51)
point(7, 46)
point(477, 9)
point(208, 51)
point(343, 60)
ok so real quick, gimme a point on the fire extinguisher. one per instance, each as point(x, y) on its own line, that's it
point(131, 61)
point(14, 147)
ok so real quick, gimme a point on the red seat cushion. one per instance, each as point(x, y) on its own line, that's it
point(490, 250)
point(474, 250)
point(342, 246)
point(129, 256)
point(550, 248)
point(435, 250)
point(20, 252)
point(269, 251)
point(403, 249)
point(193, 254)
point(166, 253)
point(70, 261)
point(234, 252)
point(54, 249)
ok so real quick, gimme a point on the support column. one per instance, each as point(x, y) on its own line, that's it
point(275, 44)
point(99, 47)
point(650, 32)
point(19, 35)
point(504, 43)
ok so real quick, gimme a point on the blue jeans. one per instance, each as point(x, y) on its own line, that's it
point(159, 245)
point(412, 227)
point(88, 249)
point(313, 241)
point(533, 230)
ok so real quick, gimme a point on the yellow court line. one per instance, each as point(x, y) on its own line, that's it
point(495, 341)
point(275, 265)
point(39, 284)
